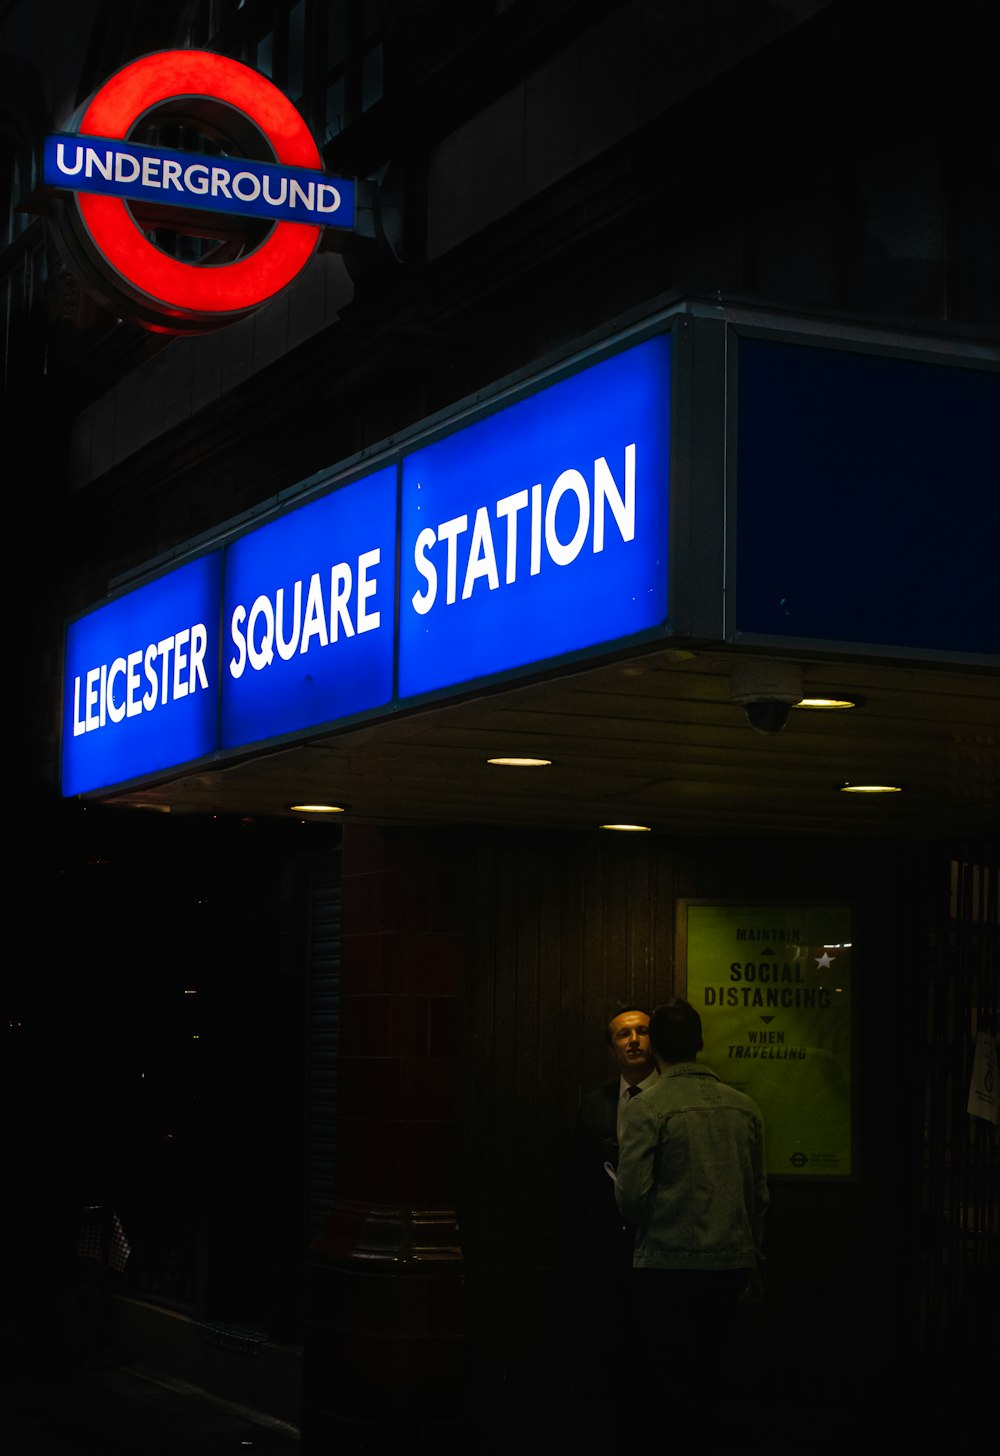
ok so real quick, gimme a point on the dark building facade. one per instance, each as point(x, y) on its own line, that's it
point(324, 1069)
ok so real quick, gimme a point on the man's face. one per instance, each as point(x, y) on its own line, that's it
point(629, 1042)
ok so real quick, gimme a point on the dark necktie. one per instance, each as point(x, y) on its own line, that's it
point(633, 1092)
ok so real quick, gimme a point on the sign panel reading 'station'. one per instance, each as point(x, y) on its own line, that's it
point(540, 530)
point(536, 533)
point(773, 988)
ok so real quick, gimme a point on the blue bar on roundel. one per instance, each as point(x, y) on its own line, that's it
point(193, 179)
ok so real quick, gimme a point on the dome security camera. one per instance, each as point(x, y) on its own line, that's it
point(767, 715)
point(767, 692)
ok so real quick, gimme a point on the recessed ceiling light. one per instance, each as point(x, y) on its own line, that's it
point(628, 828)
point(317, 808)
point(521, 762)
point(870, 788)
point(829, 705)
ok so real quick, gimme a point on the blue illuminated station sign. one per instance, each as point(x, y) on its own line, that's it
point(534, 535)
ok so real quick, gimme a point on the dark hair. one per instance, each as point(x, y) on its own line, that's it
point(675, 1031)
point(620, 1011)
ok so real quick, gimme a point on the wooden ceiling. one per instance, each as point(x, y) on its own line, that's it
point(657, 740)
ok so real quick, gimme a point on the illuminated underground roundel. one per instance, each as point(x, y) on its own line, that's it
point(162, 292)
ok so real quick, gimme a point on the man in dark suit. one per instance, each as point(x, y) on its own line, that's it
point(600, 1242)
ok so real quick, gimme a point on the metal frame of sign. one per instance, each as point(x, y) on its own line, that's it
point(774, 1022)
point(484, 406)
point(703, 501)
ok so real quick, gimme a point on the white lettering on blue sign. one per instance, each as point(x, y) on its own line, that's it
point(480, 552)
point(167, 670)
point(141, 684)
point(541, 529)
point(273, 623)
point(535, 533)
point(227, 184)
point(307, 614)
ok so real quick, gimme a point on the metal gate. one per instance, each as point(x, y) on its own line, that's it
point(960, 1185)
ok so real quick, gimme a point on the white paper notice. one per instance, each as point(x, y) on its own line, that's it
point(983, 1091)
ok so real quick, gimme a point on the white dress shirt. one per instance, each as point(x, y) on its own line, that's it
point(623, 1095)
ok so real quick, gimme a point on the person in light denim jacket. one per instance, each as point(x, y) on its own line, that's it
point(692, 1177)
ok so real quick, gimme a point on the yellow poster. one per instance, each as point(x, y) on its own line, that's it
point(773, 987)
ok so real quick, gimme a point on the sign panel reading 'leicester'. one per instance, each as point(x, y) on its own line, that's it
point(541, 530)
point(141, 680)
point(308, 611)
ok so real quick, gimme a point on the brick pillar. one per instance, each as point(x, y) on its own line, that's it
point(384, 1316)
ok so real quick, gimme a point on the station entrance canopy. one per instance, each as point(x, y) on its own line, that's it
point(703, 476)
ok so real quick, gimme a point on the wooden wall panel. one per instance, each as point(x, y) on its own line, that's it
point(563, 929)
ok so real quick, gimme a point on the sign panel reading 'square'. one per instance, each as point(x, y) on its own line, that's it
point(308, 613)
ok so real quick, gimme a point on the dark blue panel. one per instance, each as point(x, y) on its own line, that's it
point(868, 497)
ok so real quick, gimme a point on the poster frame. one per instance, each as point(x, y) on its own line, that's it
point(777, 905)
